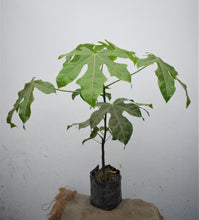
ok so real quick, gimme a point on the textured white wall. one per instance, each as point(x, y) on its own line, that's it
point(159, 164)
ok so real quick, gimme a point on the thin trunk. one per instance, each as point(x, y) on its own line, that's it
point(104, 137)
point(103, 156)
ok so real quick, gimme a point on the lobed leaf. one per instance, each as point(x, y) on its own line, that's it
point(166, 76)
point(25, 98)
point(130, 108)
point(94, 56)
point(92, 82)
point(120, 127)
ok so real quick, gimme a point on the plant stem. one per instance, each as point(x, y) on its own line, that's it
point(120, 80)
point(63, 90)
point(104, 137)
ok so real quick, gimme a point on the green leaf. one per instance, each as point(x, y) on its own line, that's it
point(28, 98)
point(185, 88)
point(71, 70)
point(81, 125)
point(116, 69)
point(94, 131)
point(44, 87)
point(108, 95)
point(15, 108)
point(93, 134)
point(165, 79)
point(142, 104)
point(151, 59)
point(98, 115)
point(92, 82)
point(25, 98)
point(166, 76)
point(130, 108)
point(84, 124)
point(94, 56)
point(126, 54)
point(76, 93)
point(120, 127)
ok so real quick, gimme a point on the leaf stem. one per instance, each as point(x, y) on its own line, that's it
point(97, 141)
point(108, 137)
point(100, 136)
point(63, 90)
point(120, 79)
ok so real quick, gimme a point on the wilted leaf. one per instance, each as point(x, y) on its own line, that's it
point(80, 125)
point(166, 76)
point(93, 134)
point(185, 88)
point(44, 87)
point(76, 93)
point(108, 95)
point(25, 98)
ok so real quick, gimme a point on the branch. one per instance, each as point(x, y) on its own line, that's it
point(63, 90)
point(120, 80)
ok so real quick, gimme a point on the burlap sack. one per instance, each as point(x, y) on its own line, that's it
point(71, 205)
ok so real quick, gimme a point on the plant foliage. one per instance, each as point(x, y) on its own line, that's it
point(25, 98)
point(166, 76)
point(94, 56)
point(92, 85)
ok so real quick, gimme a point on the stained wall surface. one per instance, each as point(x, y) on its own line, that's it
point(159, 164)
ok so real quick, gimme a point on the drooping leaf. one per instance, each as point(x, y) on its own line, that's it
point(142, 104)
point(85, 140)
point(76, 93)
point(80, 125)
point(94, 56)
point(185, 88)
point(102, 128)
point(44, 87)
point(15, 108)
point(120, 127)
point(93, 134)
point(84, 124)
point(166, 76)
point(108, 95)
point(25, 98)
point(28, 98)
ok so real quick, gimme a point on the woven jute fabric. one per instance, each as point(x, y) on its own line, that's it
point(70, 205)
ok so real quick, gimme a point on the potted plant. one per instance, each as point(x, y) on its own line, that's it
point(107, 119)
